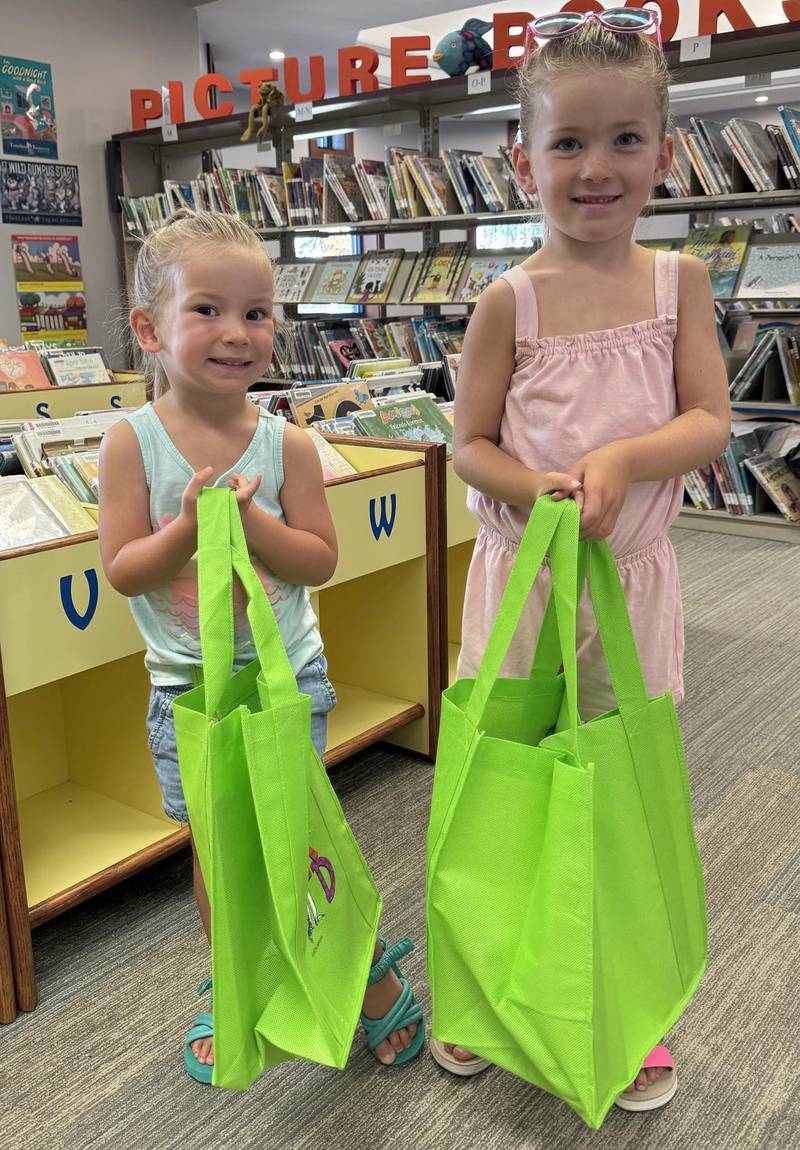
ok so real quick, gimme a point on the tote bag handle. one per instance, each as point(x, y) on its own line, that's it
point(221, 551)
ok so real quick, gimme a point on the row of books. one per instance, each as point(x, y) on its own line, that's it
point(67, 448)
point(383, 404)
point(741, 268)
point(771, 372)
point(29, 368)
point(444, 273)
point(317, 190)
point(323, 349)
point(768, 155)
point(761, 457)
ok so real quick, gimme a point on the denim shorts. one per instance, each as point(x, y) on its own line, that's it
point(311, 680)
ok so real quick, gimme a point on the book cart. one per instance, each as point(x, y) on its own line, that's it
point(80, 807)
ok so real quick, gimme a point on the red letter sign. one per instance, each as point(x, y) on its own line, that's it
point(291, 80)
point(504, 41)
point(201, 90)
point(403, 60)
point(357, 67)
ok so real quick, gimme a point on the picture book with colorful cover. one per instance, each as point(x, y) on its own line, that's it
point(722, 250)
point(76, 366)
point(326, 401)
point(336, 279)
point(438, 274)
point(21, 371)
point(40, 194)
point(312, 173)
point(482, 271)
point(374, 184)
point(419, 420)
point(27, 109)
point(291, 281)
point(273, 194)
point(374, 278)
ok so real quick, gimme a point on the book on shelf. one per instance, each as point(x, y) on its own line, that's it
point(40, 440)
point(21, 371)
point(450, 364)
point(482, 271)
point(771, 372)
point(313, 176)
point(722, 250)
point(417, 419)
point(779, 481)
point(344, 344)
point(430, 176)
point(76, 366)
point(291, 280)
point(439, 273)
point(37, 510)
point(700, 160)
point(401, 185)
point(785, 158)
point(375, 275)
point(335, 279)
point(272, 190)
point(334, 464)
point(461, 178)
point(716, 150)
point(341, 181)
point(297, 208)
point(790, 126)
point(491, 181)
point(755, 152)
point(519, 197)
point(373, 183)
point(701, 487)
point(770, 269)
point(342, 400)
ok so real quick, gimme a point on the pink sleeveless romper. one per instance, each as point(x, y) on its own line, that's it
point(570, 395)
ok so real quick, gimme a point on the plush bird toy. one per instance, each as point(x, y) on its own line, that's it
point(460, 53)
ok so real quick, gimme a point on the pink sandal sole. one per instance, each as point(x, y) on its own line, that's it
point(660, 1092)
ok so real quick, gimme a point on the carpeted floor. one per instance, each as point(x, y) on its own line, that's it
point(98, 1064)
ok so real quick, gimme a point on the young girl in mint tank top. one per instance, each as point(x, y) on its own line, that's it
point(590, 371)
point(202, 314)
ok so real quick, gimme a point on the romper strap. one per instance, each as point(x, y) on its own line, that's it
point(666, 283)
point(527, 316)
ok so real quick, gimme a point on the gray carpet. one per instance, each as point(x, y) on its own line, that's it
point(98, 1064)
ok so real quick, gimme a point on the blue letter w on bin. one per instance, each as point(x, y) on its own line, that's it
point(81, 621)
point(383, 523)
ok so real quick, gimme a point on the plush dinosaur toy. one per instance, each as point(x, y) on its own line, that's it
point(269, 97)
point(465, 51)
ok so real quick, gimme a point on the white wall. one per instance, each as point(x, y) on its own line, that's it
point(98, 50)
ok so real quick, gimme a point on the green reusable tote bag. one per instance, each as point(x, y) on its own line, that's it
point(294, 910)
point(566, 920)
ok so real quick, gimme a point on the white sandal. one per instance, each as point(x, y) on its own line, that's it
point(658, 1093)
point(463, 1068)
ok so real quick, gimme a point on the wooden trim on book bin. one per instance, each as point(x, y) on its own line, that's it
point(436, 536)
point(8, 996)
point(13, 876)
point(48, 545)
point(108, 877)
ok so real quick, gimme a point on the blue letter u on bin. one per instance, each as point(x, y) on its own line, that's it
point(81, 621)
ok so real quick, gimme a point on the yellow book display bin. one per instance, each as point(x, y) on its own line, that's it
point(80, 807)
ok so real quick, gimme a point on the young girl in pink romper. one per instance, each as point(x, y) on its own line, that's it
point(591, 371)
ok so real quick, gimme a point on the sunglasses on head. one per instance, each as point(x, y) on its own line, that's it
point(640, 21)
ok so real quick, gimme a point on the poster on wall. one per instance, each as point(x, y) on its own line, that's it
point(40, 194)
point(27, 109)
point(50, 295)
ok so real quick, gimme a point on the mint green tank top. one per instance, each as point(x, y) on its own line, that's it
point(168, 618)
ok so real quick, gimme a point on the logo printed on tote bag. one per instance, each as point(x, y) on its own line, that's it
point(323, 869)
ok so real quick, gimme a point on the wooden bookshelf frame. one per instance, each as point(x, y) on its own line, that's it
point(70, 826)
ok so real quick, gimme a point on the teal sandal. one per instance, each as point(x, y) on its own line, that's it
point(405, 1012)
point(203, 1028)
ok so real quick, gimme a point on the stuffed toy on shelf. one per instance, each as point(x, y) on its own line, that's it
point(460, 53)
point(268, 97)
